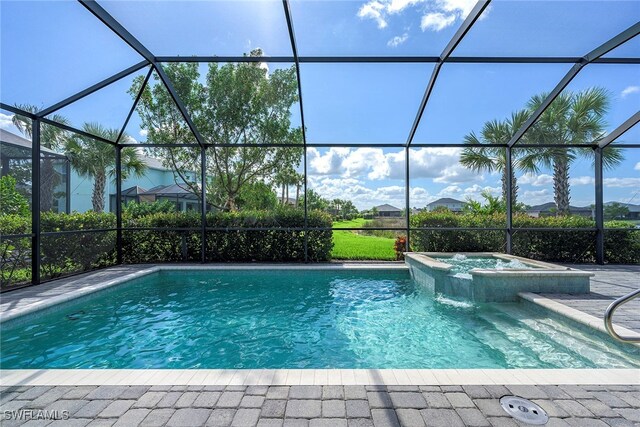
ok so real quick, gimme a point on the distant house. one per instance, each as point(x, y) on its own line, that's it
point(73, 192)
point(179, 194)
point(634, 210)
point(550, 209)
point(15, 155)
point(387, 210)
point(452, 204)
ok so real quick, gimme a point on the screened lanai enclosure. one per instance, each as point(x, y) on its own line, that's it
point(310, 131)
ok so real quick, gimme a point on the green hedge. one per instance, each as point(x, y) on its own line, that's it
point(68, 253)
point(622, 241)
point(223, 245)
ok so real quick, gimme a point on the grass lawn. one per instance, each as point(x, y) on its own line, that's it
point(350, 245)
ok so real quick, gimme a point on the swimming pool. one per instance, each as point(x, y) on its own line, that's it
point(294, 319)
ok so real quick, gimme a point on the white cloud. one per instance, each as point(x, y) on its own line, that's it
point(536, 197)
point(143, 132)
point(397, 6)
point(436, 21)
point(441, 164)
point(582, 180)
point(637, 166)
point(450, 191)
point(622, 182)
point(629, 90)
point(374, 10)
point(398, 40)
point(535, 180)
point(462, 7)
point(356, 191)
point(435, 14)
point(5, 121)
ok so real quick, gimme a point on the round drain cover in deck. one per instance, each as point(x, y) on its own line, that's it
point(524, 410)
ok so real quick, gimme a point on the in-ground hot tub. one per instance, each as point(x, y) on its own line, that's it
point(491, 276)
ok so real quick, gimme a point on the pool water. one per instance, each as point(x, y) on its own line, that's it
point(462, 264)
point(293, 319)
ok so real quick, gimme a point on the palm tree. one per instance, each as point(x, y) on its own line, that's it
point(483, 156)
point(298, 182)
point(97, 160)
point(572, 118)
point(51, 137)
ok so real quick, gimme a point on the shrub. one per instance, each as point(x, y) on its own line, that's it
point(11, 201)
point(81, 250)
point(136, 210)
point(227, 245)
point(622, 242)
point(15, 252)
point(400, 246)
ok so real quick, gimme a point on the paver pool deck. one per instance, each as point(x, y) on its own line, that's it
point(588, 397)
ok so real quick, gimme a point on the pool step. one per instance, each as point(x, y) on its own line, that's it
point(550, 353)
point(503, 348)
point(589, 346)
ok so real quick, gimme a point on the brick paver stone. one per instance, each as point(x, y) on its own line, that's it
point(410, 418)
point(230, 399)
point(360, 422)
point(328, 422)
point(246, 417)
point(92, 409)
point(333, 409)
point(472, 417)
point(305, 392)
point(157, 417)
point(379, 399)
point(436, 400)
point(252, 401)
point(384, 418)
point(187, 399)
point(278, 392)
point(221, 417)
point(190, 417)
point(332, 392)
point(442, 418)
point(207, 399)
point(459, 400)
point(273, 408)
point(355, 392)
point(116, 408)
point(303, 409)
point(358, 409)
point(132, 417)
point(149, 399)
point(408, 400)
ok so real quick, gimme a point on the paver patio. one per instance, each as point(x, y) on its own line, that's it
point(317, 405)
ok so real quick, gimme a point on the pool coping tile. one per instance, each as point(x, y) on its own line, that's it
point(437, 377)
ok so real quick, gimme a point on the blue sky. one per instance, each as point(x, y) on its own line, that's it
point(50, 50)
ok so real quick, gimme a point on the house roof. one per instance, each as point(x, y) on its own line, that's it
point(630, 206)
point(445, 200)
point(172, 190)
point(153, 163)
point(11, 138)
point(551, 205)
point(387, 208)
point(133, 191)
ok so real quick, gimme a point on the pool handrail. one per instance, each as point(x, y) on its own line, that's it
point(608, 317)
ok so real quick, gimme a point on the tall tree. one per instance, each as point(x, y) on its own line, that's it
point(232, 104)
point(95, 159)
point(51, 137)
point(482, 154)
point(572, 118)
